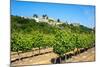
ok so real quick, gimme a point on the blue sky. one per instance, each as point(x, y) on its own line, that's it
point(84, 15)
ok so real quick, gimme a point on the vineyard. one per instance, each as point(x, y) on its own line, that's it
point(65, 39)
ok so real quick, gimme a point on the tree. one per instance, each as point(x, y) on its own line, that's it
point(58, 20)
point(35, 15)
point(45, 16)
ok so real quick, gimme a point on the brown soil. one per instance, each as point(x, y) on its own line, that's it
point(89, 55)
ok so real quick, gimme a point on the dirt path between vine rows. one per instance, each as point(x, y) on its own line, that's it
point(89, 55)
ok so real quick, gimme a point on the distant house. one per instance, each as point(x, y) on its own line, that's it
point(50, 21)
point(76, 24)
point(43, 19)
point(36, 19)
point(40, 19)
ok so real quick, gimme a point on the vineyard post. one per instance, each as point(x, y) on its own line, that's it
point(19, 58)
point(65, 57)
point(33, 52)
point(60, 59)
point(39, 50)
point(55, 61)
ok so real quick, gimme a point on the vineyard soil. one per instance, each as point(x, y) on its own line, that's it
point(88, 55)
point(84, 57)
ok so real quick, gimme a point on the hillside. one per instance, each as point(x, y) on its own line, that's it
point(28, 25)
